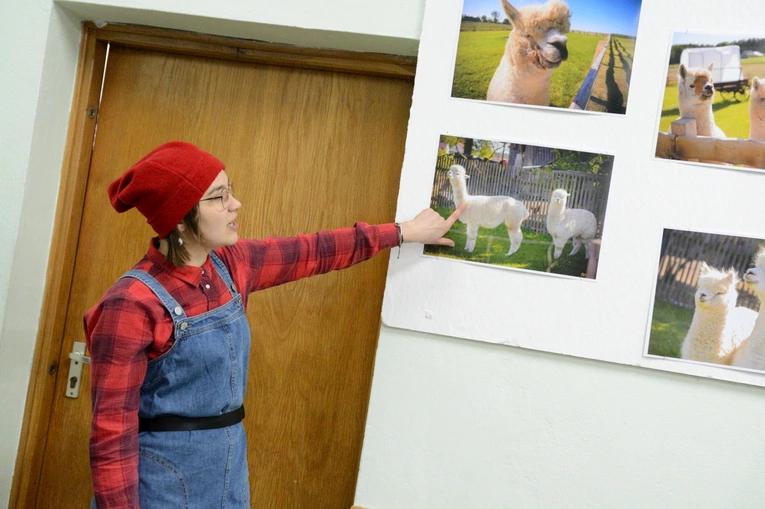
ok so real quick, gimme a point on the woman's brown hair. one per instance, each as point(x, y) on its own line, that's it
point(176, 251)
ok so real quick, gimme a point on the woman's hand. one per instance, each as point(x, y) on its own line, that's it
point(428, 227)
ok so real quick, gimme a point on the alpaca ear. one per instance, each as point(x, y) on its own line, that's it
point(704, 268)
point(514, 15)
point(682, 71)
point(711, 66)
point(756, 83)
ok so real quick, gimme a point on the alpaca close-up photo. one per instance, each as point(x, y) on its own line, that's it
point(703, 310)
point(535, 48)
point(573, 54)
point(713, 108)
point(718, 325)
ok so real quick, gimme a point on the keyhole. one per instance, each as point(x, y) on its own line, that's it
point(72, 382)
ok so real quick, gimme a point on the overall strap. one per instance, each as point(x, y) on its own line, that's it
point(172, 306)
point(223, 273)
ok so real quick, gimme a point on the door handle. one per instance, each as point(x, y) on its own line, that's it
point(77, 359)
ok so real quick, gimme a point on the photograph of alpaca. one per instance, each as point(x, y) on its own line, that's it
point(518, 211)
point(703, 310)
point(560, 53)
point(713, 110)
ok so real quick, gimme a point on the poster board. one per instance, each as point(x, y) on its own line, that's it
point(607, 318)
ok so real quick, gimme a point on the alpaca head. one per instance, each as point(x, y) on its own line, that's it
point(757, 93)
point(538, 31)
point(695, 85)
point(755, 276)
point(457, 174)
point(716, 289)
point(559, 197)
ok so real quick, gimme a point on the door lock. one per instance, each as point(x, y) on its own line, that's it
point(76, 360)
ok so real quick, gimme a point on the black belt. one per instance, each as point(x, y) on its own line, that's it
point(179, 423)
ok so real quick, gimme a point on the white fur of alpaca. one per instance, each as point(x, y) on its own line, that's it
point(579, 225)
point(695, 95)
point(751, 353)
point(535, 48)
point(487, 211)
point(757, 109)
point(718, 326)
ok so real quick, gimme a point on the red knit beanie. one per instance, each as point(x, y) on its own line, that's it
point(166, 184)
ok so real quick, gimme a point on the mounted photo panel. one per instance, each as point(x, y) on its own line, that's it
point(519, 277)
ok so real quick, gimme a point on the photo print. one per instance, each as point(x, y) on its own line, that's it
point(574, 54)
point(707, 299)
point(531, 208)
point(713, 110)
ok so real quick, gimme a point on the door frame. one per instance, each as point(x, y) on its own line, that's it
point(74, 177)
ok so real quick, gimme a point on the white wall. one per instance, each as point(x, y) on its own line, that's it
point(452, 423)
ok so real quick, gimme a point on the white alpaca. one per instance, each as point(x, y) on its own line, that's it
point(579, 225)
point(535, 48)
point(751, 353)
point(487, 211)
point(695, 95)
point(757, 109)
point(718, 326)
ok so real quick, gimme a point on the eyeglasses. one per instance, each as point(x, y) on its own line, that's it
point(224, 196)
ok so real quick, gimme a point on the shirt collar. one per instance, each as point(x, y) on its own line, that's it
point(188, 273)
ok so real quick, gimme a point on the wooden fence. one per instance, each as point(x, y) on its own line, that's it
point(682, 254)
point(585, 90)
point(683, 143)
point(532, 186)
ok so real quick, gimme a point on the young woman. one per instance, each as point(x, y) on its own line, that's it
point(169, 341)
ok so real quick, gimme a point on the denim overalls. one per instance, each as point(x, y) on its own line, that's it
point(203, 374)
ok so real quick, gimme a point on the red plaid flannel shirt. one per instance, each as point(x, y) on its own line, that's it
point(129, 326)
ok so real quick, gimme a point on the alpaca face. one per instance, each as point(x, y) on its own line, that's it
point(716, 289)
point(757, 109)
point(559, 197)
point(754, 276)
point(539, 29)
point(695, 85)
point(457, 173)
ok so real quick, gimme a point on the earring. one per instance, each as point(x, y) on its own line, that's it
point(180, 241)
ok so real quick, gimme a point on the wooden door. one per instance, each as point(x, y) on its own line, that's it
point(308, 150)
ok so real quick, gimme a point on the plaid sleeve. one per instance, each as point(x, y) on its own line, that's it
point(118, 331)
point(259, 264)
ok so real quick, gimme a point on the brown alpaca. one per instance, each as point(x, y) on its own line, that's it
point(535, 48)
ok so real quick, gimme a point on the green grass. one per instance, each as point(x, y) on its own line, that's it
point(479, 53)
point(731, 116)
point(669, 326)
point(492, 246)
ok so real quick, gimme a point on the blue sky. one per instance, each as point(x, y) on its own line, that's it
point(606, 16)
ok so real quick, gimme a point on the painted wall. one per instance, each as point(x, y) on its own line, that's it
point(452, 423)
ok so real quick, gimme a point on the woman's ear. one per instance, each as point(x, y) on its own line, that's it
point(181, 227)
